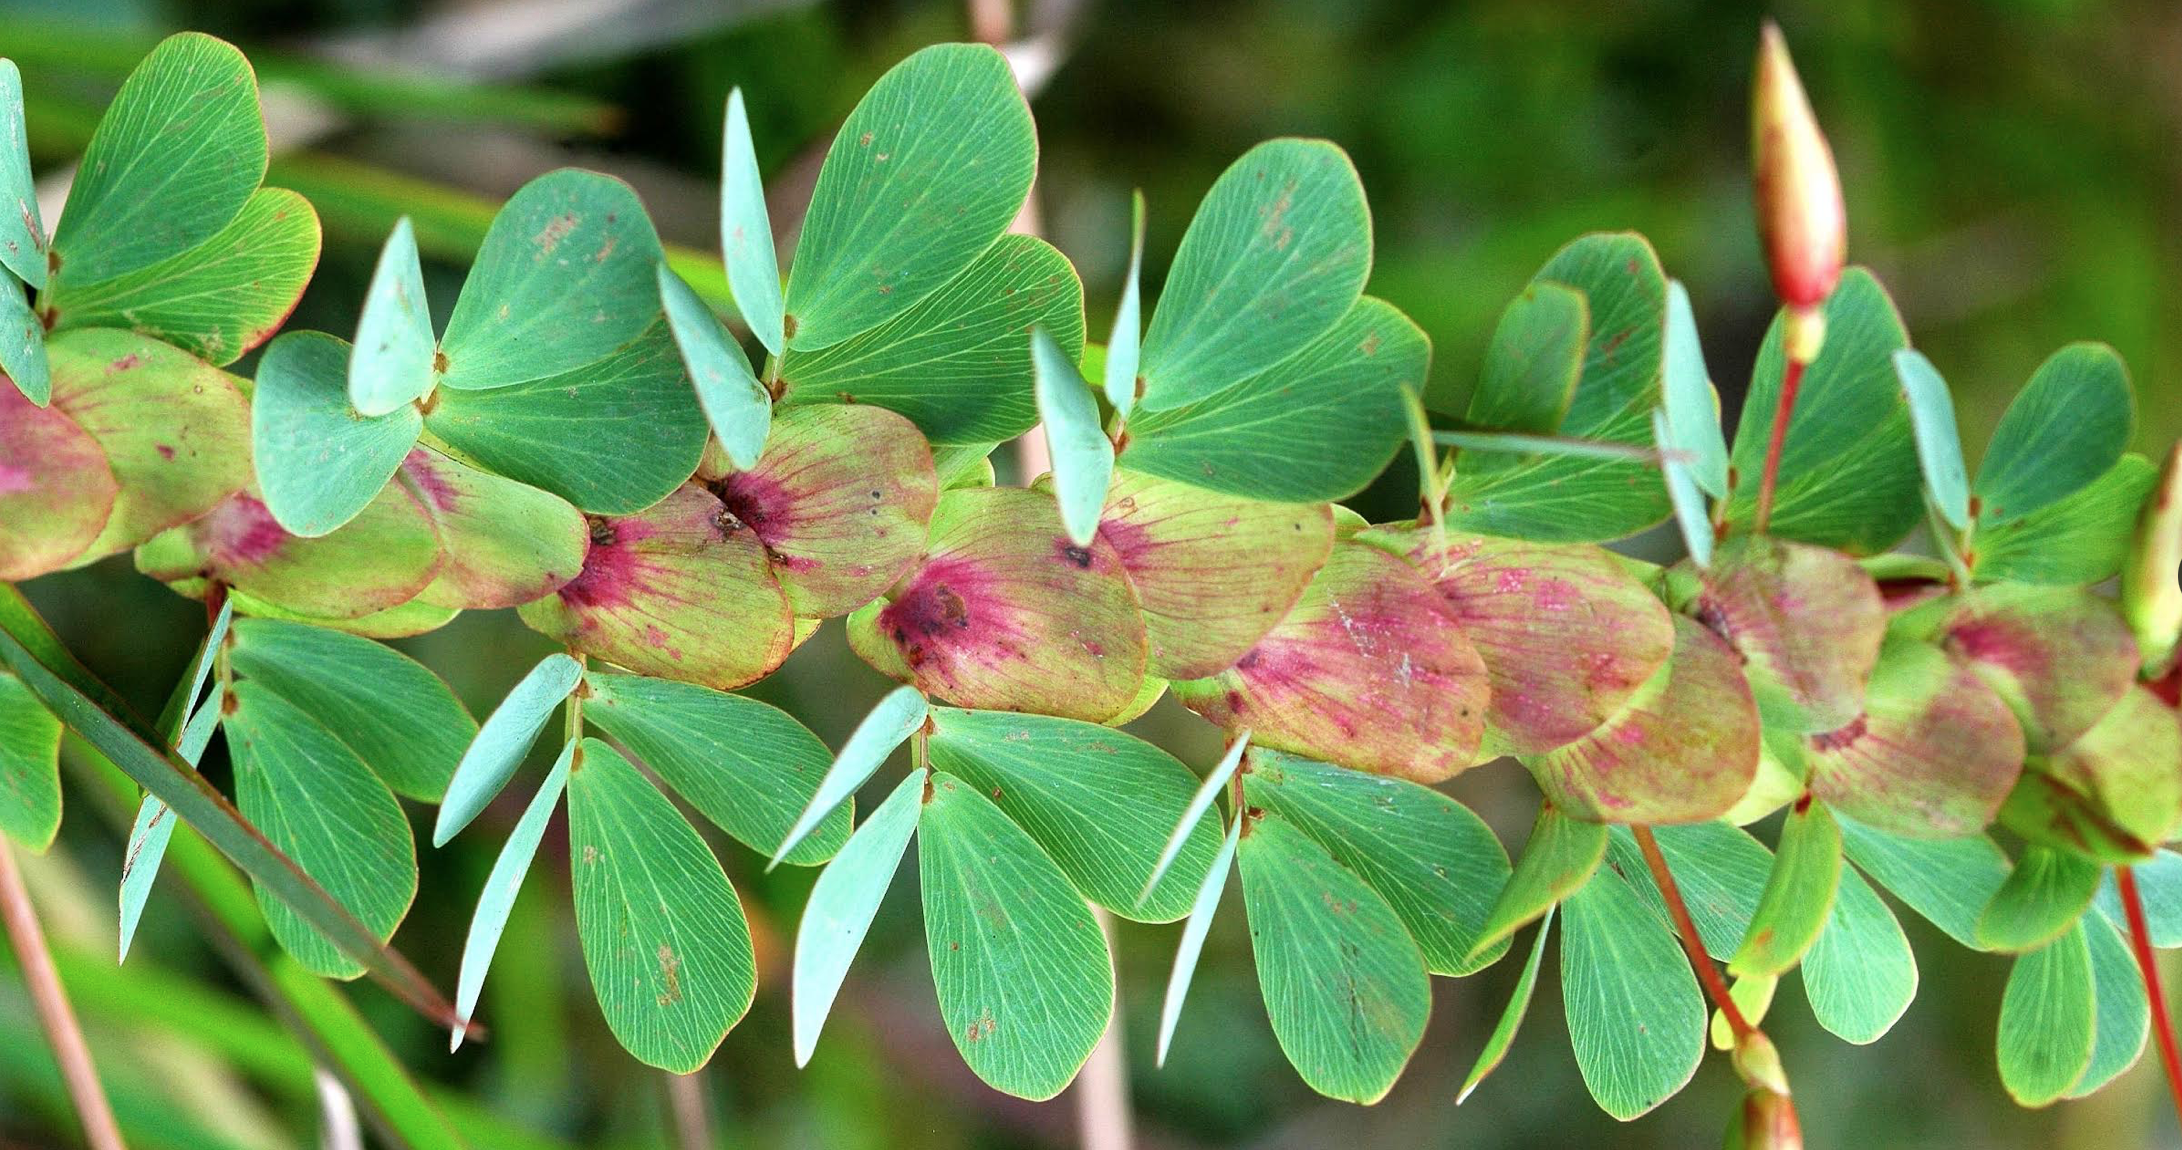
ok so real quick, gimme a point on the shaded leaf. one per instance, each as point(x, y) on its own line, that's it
point(2048, 1024)
point(1799, 895)
point(22, 341)
point(679, 590)
point(1099, 802)
point(1435, 863)
point(1719, 870)
point(2114, 793)
point(22, 234)
point(216, 300)
point(747, 766)
point(399, 717)
point(2159, 888)
point(502, 740)
point(1948, 881)
point(1691, 516)
point(1319, 424)
point(926, 172)
point(319, 463)
point(1208, 789)
point(1368, 670)
point(663, 934)
point(1006, 614)
point(957, 364)
point(30, 765)
point(2122, 1019)
point(1342, 980)
point(1024, 979)
point(1532, 364)
point(842, 904)
point(57, 492)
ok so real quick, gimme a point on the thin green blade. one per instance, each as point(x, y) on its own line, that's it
point(1939, 444)
point(1194, 813)
point(842, 903)
point(1558, 859)
point(1192, 944)
point(502, 741)
point(890, 722)
point(1686, 393)
point(1511, 1017)
point(494, 903)
point(1125, 342)
point(737, 406)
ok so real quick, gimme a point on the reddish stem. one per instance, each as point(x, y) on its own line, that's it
point(2140, 941)
point(1692, 943)
point(1791, 381)
point(54, 1014)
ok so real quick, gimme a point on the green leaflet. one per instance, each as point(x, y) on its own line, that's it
point(838, 914)
point(1192, 944)
point(1024, 979)
point(1557, 859)
point(663, 934)
point(190, 733)
point(1691, 516)
point(563, 281)
point(502, 543)
point(1939, 444)
point(1635, 1016)
point(179, 150)
point(1948, 881)
point(2066, 428)
point(319, 464)
point(747, 766)
point(22, 344)
point(401, 719)
point(1277, 253)
point(2159, 888)
point(218, 299)
point(1101, 803)
point(957, 364)
point(1848, 469)
point(2082, 538)
point(30, 767)
point(890, 721)
point(1320, 424)
point(1693, 411)
point(2122, 1019)
point(391, 362)
point(1859, 973)
point(642, 432)
point(2044, 895)
point(1083, 458)
point(1432, 860)
point(746, 232)
point(1566, 498)
point(736, 405)
point(376, 565)
point(1533, 363)
point(926, 173)
point(1799, 895)
point(1125, 343)
point(1342, 979)
point(1193, 815)
point(2048, 1023)
point(502, 741)
point(494, 903)
point(317, 801)
point(22, 234)
point(1719, 869)
point(1511, 1016)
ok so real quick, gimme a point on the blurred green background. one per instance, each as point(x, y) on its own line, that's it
point(2012, 174)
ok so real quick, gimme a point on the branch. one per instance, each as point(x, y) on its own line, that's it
point(55, 1016)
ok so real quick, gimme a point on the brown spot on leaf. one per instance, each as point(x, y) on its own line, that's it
point(670, 969)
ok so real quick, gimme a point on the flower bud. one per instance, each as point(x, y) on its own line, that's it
point(1800, 218)
point(2150, 596)
point(1767, 1122)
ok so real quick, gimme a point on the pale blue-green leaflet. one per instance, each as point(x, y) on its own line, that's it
point(1690, 514)
point(391, 361)
point(191, 731)
point(1686, 391)
point(841, 907)
point(1198, 805)
point(502, 741)
point(318, 463)
point(746, 231)
point(22, 344)
point(1083, 458)
point(501, 886)
point(1128, 333)
point(1939, 444)
point(1192, 945)
point(902, 711)
point(22, 235)
point(737, 406)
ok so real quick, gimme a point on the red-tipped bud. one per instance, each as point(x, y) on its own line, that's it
point(1767, 1122)
point(2150, 596)
point(1800, 217)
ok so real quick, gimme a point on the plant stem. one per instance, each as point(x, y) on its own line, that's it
point(2140, 941)
point(1684, 926)
point(54, 1014)
point(1103, 1119)
point(1791, 381)
point(692, 1122)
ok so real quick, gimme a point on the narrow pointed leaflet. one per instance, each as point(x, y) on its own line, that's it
point(746, 231)
point(1083, 458)
point(1511, 1017)
point(502, 741)
point(1939, 444)
point(890, 722)
point(737, 406)
point(1123, 344)
point(391, 361)
point(1192, 943)
point(841, 907)
point(495, 902)
point(1199, 803)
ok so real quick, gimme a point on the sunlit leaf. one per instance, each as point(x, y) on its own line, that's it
point(1691, 516)
point(925, 174)
point(319, 463)
point(1208, 789)
point(1807, 622)
point(1799, 894)
point(494, 903)
point(2048, 1023)
point(746, 232)
point(502, 740)
point(1693, 412)
point(1024, 979)
point(1276, 254)
point(663, 933)
point(378, 561)
point(1083, 458)
point(1635, 1017)
point(842, 904)
point(2060, 657)
point(1342, 980)
point(1719, 870)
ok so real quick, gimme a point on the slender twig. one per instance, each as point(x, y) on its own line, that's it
point(2140, 941)
point(100, 1132)
point(692, 1121)
point(1686, 927)
point(1103, 1117)
point(1791, 381)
